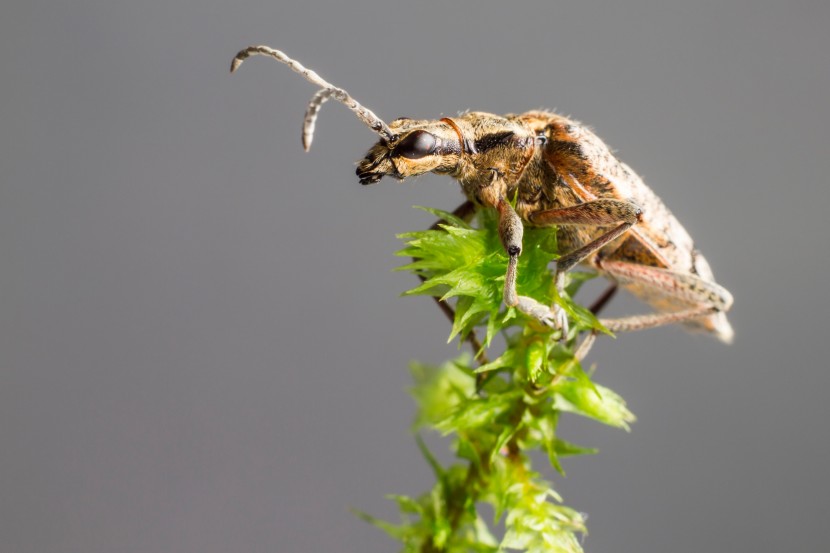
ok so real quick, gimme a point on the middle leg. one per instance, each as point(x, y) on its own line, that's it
point(597, 213)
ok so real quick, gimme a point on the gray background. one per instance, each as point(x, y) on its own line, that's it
point(202, 344)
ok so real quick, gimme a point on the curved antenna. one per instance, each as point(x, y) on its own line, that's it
point(327, 91)
point(310, 119)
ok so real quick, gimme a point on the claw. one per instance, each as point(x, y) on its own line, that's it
point(561, 320)
point(554, 317)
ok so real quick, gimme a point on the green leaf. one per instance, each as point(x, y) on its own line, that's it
point(436, 467)
point(505, 436)
point(478, 412)
point(518, 538)
point(483, 536)
point(507, 359)
point(606, 406)
point(445, 216)
point(575, 279)
point(573, 368)
point(399, 532)
point(582, 318)
point(439, 389)
point(536, 357)
point(547, 427)
point(406, 504)
point(564, 449)
point(465, 449)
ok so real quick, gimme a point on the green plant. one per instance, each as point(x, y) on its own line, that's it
point(497, 411)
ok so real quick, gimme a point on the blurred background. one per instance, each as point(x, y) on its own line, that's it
point(202, 344)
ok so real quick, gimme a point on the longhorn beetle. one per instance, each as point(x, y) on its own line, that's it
point(561, 174)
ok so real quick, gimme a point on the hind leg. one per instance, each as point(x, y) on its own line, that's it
point(703, 296)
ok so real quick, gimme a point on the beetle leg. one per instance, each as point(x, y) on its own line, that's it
point(585, 346)
point(602, 212)
point(511, 231)
point(705, 296)
point(682, 286)
point(642, 322)
point(603, 300)
point(588, 342)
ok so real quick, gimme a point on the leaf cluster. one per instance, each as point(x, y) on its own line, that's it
point(460, 261)
point(498, 412)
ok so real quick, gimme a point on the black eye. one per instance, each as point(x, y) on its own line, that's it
point(416, 145)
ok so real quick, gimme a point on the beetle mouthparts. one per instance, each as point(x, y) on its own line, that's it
point(369, 178)
point(374, 166)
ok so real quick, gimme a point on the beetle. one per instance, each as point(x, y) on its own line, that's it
point(542, 169)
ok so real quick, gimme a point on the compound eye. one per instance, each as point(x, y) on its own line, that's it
point(417, 145)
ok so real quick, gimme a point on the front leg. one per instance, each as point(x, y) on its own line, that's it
point(511, 231)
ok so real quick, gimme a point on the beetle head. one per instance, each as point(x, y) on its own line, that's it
point(467, 147)
point(417, 147)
